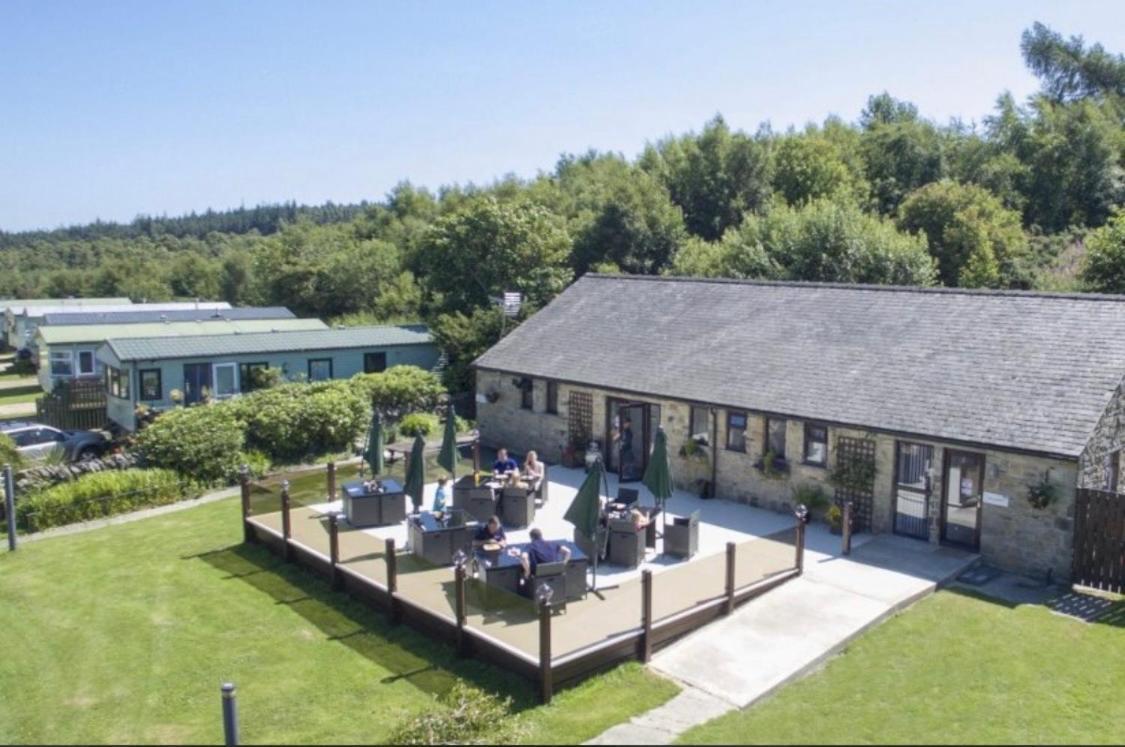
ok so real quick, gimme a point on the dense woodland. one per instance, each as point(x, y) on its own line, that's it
point(1028, 198)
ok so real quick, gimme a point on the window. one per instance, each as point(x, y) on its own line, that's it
point(320, 369)
point(117, 382)
point(249, 375)
point(86, 363)
point(226, 380)
point(775, 437)
point(62, 363)
point(1112, 471)
point(701, 424)
point(816, 444)
point(152, 388)
point(374, 362)
point(527, 394)
point(736, 430)
point(553, 397)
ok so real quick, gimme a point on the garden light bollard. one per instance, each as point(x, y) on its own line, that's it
point(230, 714)
point(728, 605)
point(244, 490)
point(286, 525)
point(846, 533)
point(10, 506)
point(801, 513)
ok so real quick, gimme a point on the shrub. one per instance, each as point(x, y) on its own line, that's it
point(295, 420)
point(202, 443)
point(419, 424)
point(8, 453)
point(399, 390)
point(465, 715)
point(258, 462)
point(813, 496)
point(101, 494)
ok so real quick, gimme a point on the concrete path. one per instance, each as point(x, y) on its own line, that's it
point(790, 631)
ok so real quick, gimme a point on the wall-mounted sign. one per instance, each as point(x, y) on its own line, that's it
point(996, 499)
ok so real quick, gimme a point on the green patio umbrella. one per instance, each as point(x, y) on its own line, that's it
point(658, 474)
point(447, 457)
point(373, 454)
point(585, 511)
point(416, 473)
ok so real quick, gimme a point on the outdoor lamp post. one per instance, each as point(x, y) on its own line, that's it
point(544, 594)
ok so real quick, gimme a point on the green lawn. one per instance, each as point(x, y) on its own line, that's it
point(953, 669)
point(18, 394)
point(124, 634)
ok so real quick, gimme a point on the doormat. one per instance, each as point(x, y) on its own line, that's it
point(979, 575)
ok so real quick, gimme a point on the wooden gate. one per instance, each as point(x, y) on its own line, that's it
point(1099, 540)
point(859, 452)
point(79, 404)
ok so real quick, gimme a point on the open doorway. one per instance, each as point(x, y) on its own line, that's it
point(630, 427)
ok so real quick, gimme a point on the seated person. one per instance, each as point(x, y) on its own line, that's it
point(441, 495)
point(504, 463)
point(542, 551)
point(639, 517)
point(491, 532)
point(533, 471)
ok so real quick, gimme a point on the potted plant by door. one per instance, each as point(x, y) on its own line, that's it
point(835, 518)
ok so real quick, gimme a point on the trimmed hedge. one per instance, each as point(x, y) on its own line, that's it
point(292, 421)
point(202, 443)
point(101, 494)
point(399, 390)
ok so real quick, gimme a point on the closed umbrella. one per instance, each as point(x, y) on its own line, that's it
point(447, 457)
point(416, 473)
point(373, 455)
point(585, 511)
point(658, 474)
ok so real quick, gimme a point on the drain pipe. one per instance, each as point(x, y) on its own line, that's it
point(714, 453)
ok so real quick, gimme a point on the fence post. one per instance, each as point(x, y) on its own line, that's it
point(334, 549)
point(728, 606)
point(10, 506)
point(846, 532)
point(331, 481)
point(392, 577)
point(459, 589)
point(546, 681)
point(230, 715)
point(646, 615)
point(286, 526)
point(248, 534)
point(802, 515)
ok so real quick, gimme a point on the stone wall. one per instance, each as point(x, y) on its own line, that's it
point(1108, 439)
point(1014, 537)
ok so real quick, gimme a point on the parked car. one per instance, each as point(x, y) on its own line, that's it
point(37, 441)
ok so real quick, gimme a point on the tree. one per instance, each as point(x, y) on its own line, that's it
point(715, 177)
point(1103, 269)
point(465, 337)
point(810, 167)
point(487, 248)
point(900, 152)
point(975, 240)
point(1068, 70)
point(194, 276)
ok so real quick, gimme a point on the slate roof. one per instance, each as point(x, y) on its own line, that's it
point(1021, 370)
point(79, 333)
point(160, 348)
point(149, 315)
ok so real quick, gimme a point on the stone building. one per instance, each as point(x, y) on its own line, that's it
point(960, 417)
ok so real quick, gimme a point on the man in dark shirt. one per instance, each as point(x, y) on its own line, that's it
point(491, 532)
point(504, 463)
point(542, 551)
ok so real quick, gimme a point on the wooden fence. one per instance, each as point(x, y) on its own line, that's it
point(637, 642)
point(1099, 540)
point(79, 404)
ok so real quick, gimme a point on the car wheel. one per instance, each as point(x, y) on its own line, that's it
point(88, 454)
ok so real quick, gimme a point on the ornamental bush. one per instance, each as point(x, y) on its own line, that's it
point(100, 494)
point(203, 443)
point(296, 420)
point(399, 390)
point(419, 424)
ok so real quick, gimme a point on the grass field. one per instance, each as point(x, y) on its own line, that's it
point(124, 634)
point(953, 669)
point(19, 394)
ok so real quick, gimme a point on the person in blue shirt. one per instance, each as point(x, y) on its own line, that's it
point(491, 532)
point(504, 463)
point(440, 496)
point(542, 551)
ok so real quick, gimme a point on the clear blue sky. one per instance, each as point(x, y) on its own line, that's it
point(112, 109)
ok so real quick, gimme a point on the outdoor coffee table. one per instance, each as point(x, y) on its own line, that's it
point(367, 507)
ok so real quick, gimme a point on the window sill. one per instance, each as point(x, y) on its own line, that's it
point(818, 465)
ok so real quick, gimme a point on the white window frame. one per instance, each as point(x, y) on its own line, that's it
point(93, 363)
point(215, 380)
point(60, 356)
